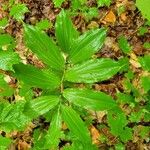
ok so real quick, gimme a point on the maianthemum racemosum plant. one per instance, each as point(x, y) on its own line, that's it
point(68, 61)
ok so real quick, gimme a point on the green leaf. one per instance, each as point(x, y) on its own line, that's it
point(36, 77)
point(87, 44)
point(11, 116)
point(145, 62)
point(76, 125)
point(40, 105)
point(90, 99)
point(145, 82)
point(17, 11)
point(38, 139)
point(5, 89)
point(65, 31)
point(7, 59)
point(126, 134)
point(143, 6)
point(58, 3)
point(54, 132)
point(93, 71)
point(44, 24)
point(121, 9)
point(124, 45)
point(117, 121)
point(6, 42)
point(91, 13)
point(3, 23)
point(4, 142)
point(44, 47)
point(102, 3)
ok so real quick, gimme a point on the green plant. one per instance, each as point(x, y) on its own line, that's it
point(66, 65)
point(53, 92)
point(143, 6)
point(124, 45)
point(102, 3)
point(17, 11)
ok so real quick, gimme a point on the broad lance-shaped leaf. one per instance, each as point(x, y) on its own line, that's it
point(76, 125)
point(93, 70)
point(44, 47)
point(90, 99)
point(54, 132)
point(40, 105)
point(7, 59)
point(36, 77)
point(86, 45)
point(65, 31)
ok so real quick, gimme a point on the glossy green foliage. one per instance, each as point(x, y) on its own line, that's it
point(86, 45)
point(36, 77)
point(18, 11)
point(93, 70)
point(143, 6)
point(76, 125)
point(54, 131)
point(65, 31)
point(44, 47)
point(52, 94)
point(40, 105)
point(90, 99)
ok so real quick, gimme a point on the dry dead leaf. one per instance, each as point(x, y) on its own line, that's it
point(95, 135)
point(123, 17)
point(110, 17)
point(22, 145)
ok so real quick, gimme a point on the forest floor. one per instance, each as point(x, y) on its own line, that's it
point(127, 23)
